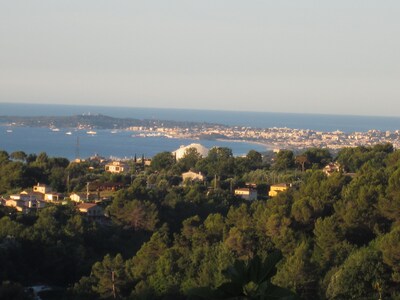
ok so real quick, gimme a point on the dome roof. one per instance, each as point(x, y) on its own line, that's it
point(203, 151)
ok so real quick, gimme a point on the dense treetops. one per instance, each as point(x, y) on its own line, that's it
point(327, 237)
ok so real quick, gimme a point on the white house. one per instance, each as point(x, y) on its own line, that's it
point(246, 193)
point(192, 176)
point(41, 188)
point(331, 168)
point(117, 167)
point(91, 209)
point(78, 197)
point(52, 197)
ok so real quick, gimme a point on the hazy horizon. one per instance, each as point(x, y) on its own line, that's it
point(336, 58)
point(197, 109)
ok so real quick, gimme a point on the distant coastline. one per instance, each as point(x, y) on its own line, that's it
point(318, 122)
point(273, 138)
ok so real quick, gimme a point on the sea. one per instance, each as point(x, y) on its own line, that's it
point(106, 143)
point(127, 144)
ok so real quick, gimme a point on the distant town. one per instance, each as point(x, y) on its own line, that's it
point(281, 138)
point(273, 138)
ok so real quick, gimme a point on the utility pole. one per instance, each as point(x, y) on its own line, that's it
point(87, 191)
point(68, 187)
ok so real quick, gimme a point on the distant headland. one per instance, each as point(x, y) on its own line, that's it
point(251, 118)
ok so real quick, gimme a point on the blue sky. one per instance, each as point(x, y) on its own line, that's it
point(338, 57)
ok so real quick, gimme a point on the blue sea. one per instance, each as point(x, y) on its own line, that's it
point(123, 144)
point(106, 143)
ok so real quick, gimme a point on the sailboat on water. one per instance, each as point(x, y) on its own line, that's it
point(91, 132)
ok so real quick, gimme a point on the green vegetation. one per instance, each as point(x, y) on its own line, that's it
point(326, 237)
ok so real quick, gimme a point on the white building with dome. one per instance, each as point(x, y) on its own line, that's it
point(179, 153)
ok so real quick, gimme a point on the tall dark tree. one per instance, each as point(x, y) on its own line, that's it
point(189, 159)
point(254, 159)
point(162, 161)
point(284, 160)
point(318, 157)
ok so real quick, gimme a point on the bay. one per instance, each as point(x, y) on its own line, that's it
point(122, 144)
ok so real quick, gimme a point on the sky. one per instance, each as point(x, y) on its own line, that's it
point(335, 57)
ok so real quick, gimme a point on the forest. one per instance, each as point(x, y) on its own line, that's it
point(326, 237)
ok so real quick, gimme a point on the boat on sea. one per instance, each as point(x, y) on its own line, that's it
point(91, 132)
point(68, 133)
point(9, 131)
point(55, 129)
